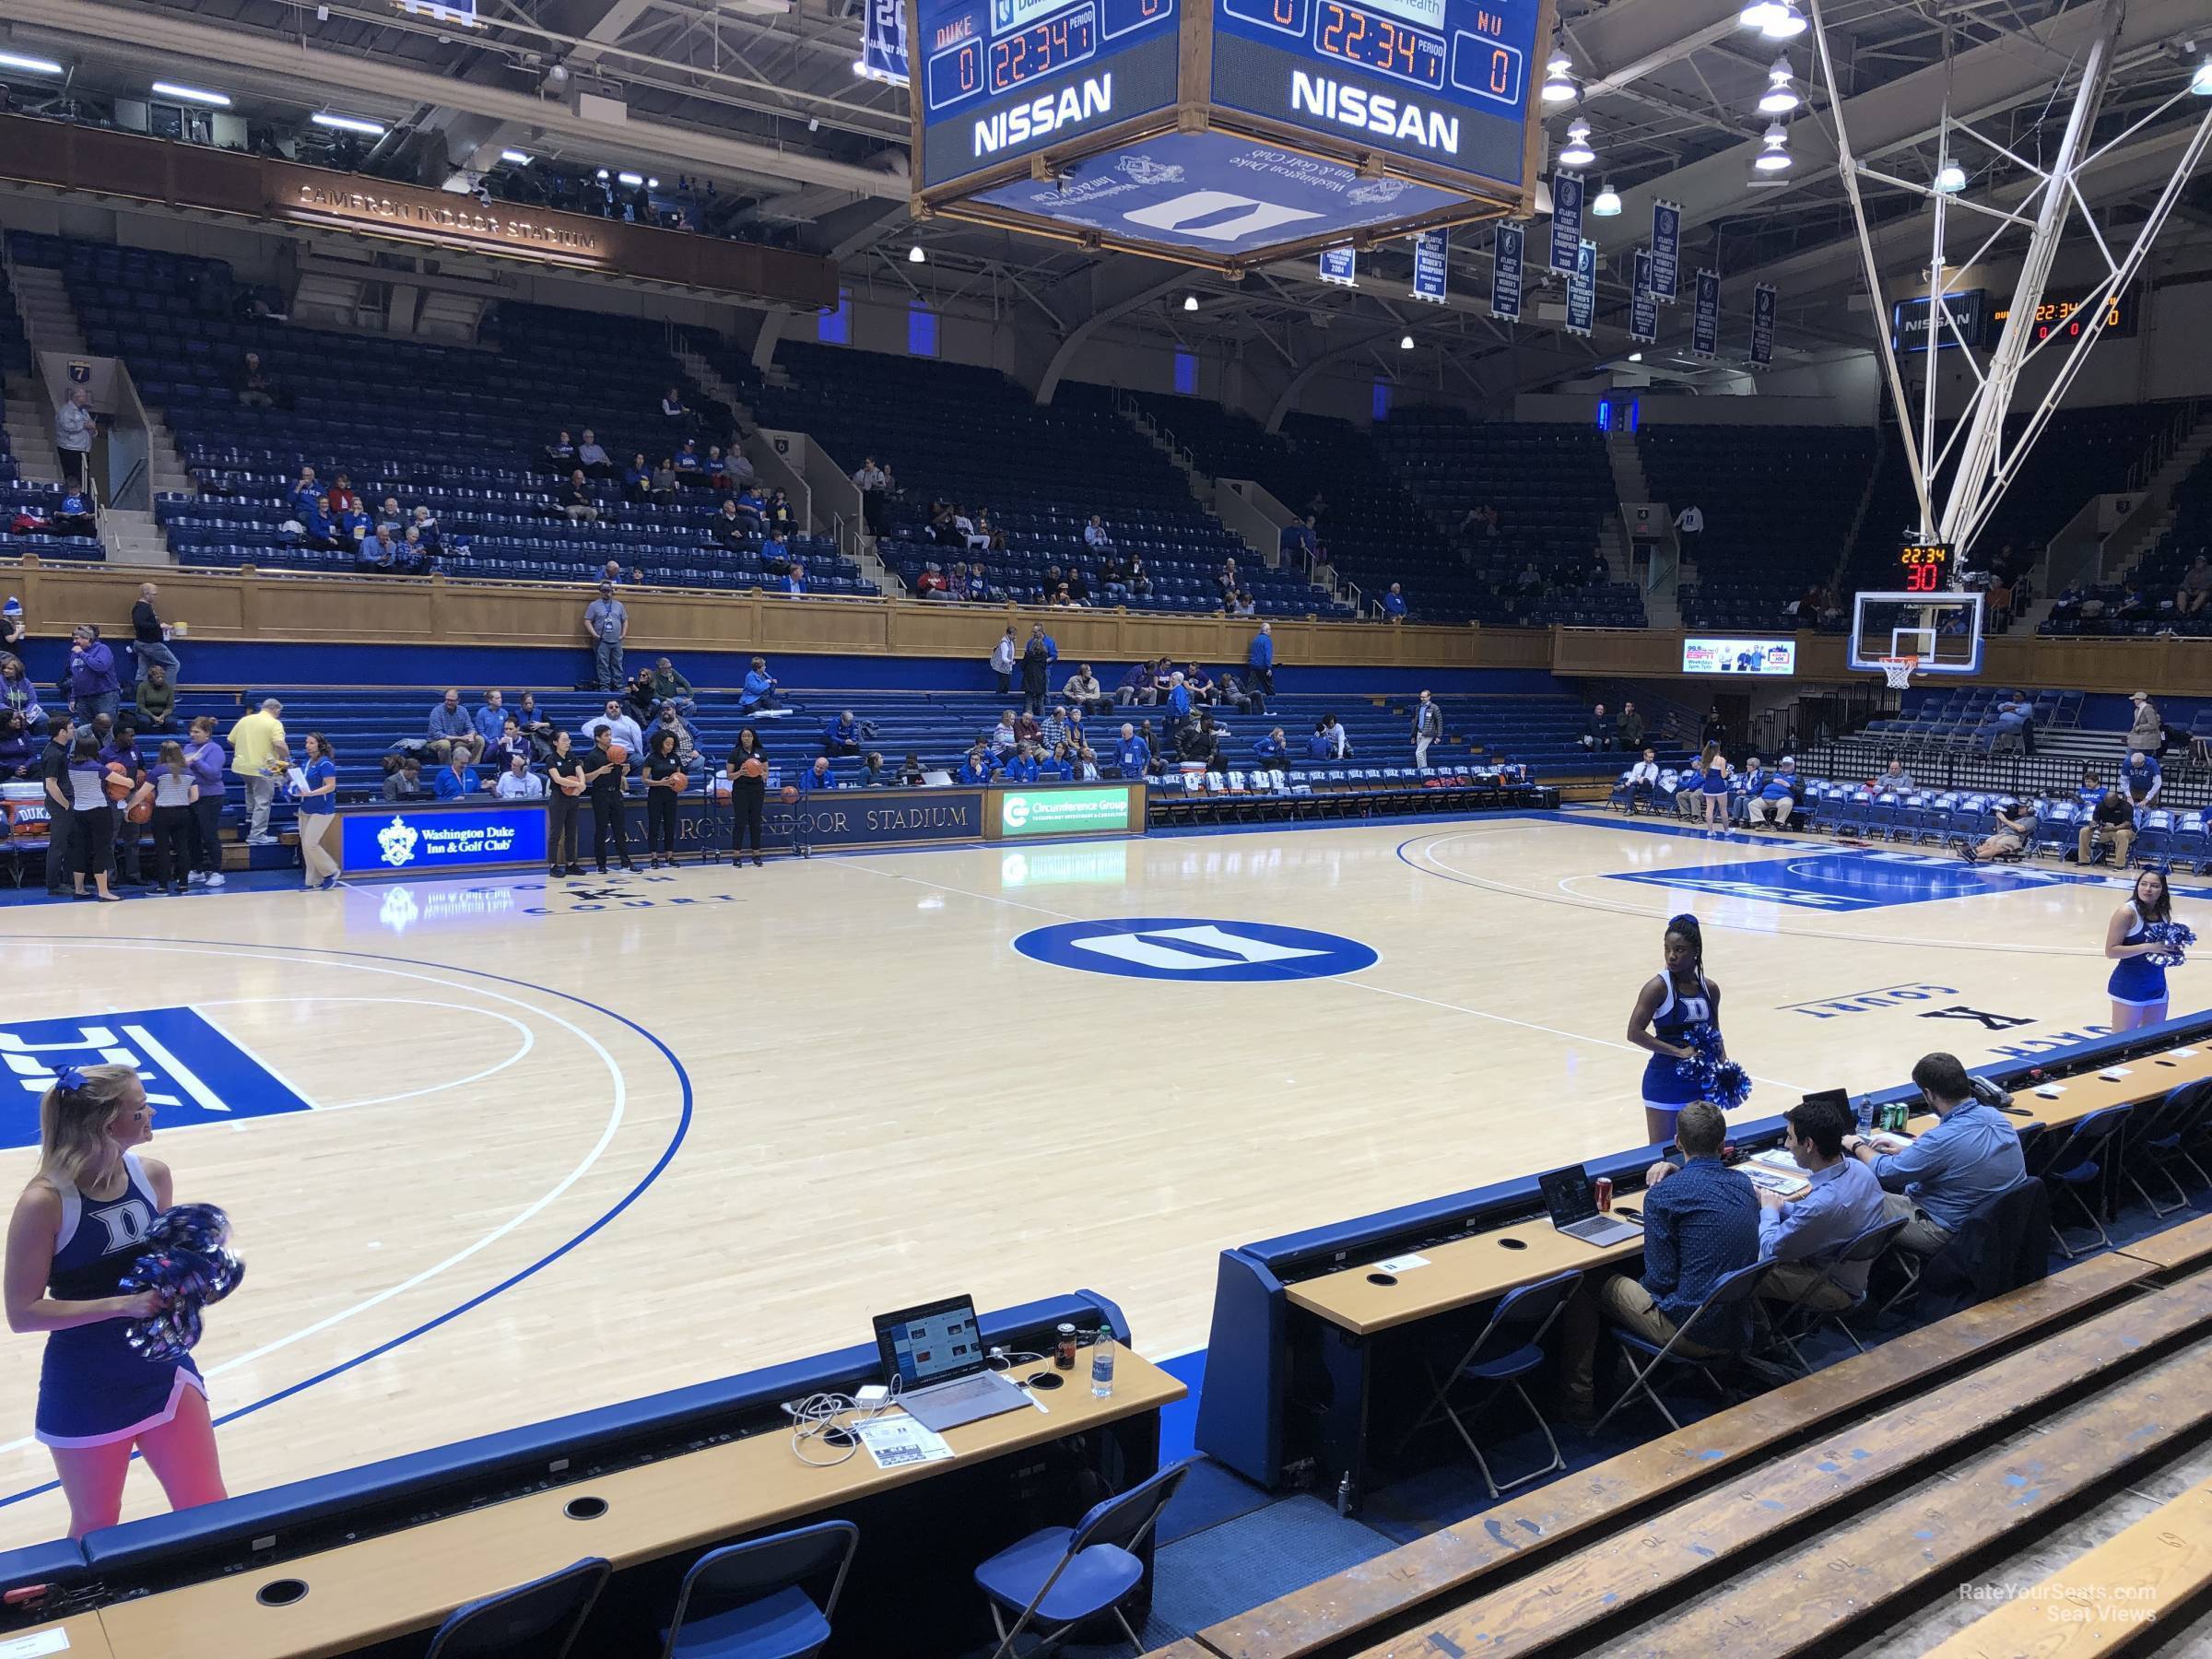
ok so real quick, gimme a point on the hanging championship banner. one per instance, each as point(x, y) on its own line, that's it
point(883, 42)
point(1762, 324)
point(1337, 264)
point(1566, 222)
point(1666, 252)
point(1705, 327)
point(1432, 250)
point(1643, 308)
point(1508, 245)
point(1582, 290)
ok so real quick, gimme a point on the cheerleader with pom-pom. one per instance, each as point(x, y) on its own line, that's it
point(1678, 1019)
point(2143, 940)
point(76, 1235)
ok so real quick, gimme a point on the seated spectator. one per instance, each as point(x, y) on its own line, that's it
point(558, 457)
point(989, 537)
point(256, 389)
point(1056, 765)
point(157, 699)
point(1226, 579)
point(1530, 581)
point(2015, 823)
point(796, 584)
point(1020, 767)
point(1631, 727)
point(1935, 1180)
point(1095, 535)
point(1052, 730)
point(390, 514)
point(670, 722)
point(637, 481)
point(872, 772)
point(452, 731)
point(689, 468)
point(535, 727)
point(341, 496)
point(817, 776)
point(759, 687)
point(776, 511)
point(1115, 578)
point(317, 529)
point(1200, 684)
point(414, 557)
point(1802, 1234)
point(912, 773)
point(1330, 741)
point(1002, 739)
point(350, 528)
point(427, 533)
point(665, 482)
point(1135, 685)
point(672, 406)
point(1199, 744)
point(1701, 1223)
point(1243, 605)
point(1643, 783)
point(305, 492)
point(1132, 755)
point(510, 744)
point(717, 468)
point(2112, 823)
point(1059, 599)
point(842, 736)
point(1775, 799)
point(1273, 750)
point(670, 685)
point(402, 779)
point(975, 769)
point(1894, 779)
point(931, 584)
point(577, 503)
point(734, 530)
point(1141, 579)
point(618, 727)
point(1394, 605)
point(638, 700)
point(2195, 590)
point(1075, 587)
point(775, 554)
point(518, 782)
point(456, 779)
point(1084, 691)
point(1027, 729)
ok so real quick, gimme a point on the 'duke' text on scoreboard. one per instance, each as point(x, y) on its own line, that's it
point(1224, 130)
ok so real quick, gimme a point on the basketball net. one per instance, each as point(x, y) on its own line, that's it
point(1898, 671)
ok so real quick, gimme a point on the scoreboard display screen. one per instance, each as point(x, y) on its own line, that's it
point(2071, 314)
point(1446, 82)
point(1925, 567)
point(998, 79)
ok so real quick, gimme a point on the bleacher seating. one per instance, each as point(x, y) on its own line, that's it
point(2143, 603)
point(457, 428)
point(18, 492)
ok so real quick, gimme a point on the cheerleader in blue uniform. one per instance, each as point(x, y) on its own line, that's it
point(1715, 789)
point(2137, 987)
point(1668, 1006)
point(77, 1230)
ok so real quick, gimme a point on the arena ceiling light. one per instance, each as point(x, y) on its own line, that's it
point(916, 256)
point(1190, 302)
point(1776, 156)
point(1783, 22)
point(1608, 203)
point(2201, 82)
point(1635, 356)
point(1404, 342)
point(220, 101)
point(1559, 77)
point(347, 123)
point(633, 180)
point(1755, 14)
point(1781, 96)
point(514, 157)
point(29, 65)
point(1577, 152)
point(1950, 178)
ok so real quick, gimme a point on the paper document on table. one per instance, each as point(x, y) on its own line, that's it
point(1405, 1264)
point(896, 1441)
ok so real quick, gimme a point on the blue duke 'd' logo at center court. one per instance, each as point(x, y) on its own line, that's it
point(1191, 949)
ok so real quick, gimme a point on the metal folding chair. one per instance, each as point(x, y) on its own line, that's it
point(1800, 1320)
point(1739, 1288)
point(1510, 1345)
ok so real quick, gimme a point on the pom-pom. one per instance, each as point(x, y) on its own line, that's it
point(2174, 937)
point(1730, 1085)
point(1717, 1077)
point(189, 1264)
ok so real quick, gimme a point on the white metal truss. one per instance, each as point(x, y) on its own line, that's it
point(1983, 464)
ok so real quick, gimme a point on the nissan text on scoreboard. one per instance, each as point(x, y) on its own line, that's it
point(1224, 133)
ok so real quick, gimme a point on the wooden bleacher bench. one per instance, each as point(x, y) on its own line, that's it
point(1725, 1531)
point(1544, 1522)
point(2122, 1591)
point(2185, 1245)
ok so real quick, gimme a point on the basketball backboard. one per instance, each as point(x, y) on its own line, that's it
point(1943, 631)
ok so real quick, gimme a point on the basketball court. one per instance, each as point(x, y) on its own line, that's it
point(495, 1154)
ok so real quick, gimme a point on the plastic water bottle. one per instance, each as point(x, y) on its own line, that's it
point(1102, 1365)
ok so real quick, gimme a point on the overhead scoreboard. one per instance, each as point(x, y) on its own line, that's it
point(1223, 133)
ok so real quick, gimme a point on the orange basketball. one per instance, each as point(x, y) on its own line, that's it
point(617, 752)
point(790, 793)
point(679, 781)
point(754, 767)
point(116, 780)
point(141, 809)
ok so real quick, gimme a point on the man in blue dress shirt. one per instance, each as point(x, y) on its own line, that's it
point(1935, 1180)
point(1843, 1201)
point(1701, 1223)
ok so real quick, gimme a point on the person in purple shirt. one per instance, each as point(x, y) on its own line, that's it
point(93, 687)
point(204, 758)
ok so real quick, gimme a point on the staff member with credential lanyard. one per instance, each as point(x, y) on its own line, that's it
point(319, 815)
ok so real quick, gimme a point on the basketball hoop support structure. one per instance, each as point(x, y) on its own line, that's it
point(1987, 466)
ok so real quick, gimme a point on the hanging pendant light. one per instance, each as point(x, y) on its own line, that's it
point(1577, 151)
point(1781, 96)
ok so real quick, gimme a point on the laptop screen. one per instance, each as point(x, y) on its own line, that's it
point(932, 1343)
point(1567, 1194)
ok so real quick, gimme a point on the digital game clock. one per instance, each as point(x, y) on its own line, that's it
point(1926, 567)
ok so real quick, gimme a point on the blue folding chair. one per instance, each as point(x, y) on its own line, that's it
point(2078, 1165)
point(1510, 1345)
point(2159, 1138)
point(1062, 1575)
point(538, 1620)
point(1733, 1289)
point(755, 1597)
point(1802, 1320)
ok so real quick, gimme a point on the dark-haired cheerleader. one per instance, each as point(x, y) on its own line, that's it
point(1670, 1004)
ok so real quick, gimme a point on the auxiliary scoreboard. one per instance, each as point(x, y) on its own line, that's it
point(1224, 132)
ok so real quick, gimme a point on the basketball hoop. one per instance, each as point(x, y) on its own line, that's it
point(1897, 670)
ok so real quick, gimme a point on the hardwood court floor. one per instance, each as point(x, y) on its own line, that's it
point(494, 1155)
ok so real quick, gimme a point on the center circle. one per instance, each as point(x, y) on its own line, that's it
point(1188, 948)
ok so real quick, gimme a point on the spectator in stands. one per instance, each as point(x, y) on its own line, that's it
point(1096, 536)
point(457, 778)
point(794, 583)
point(559, 456)
point(1631, 727)
point(672, 407)
point(874, 483)
point(93, 686)
point(1227, 580)
point(817, 777)
point(1037, 655)
point(2016, 719)
point(341, 495)
point(1895, 778)
point(1273, 750)
point(760, 690)
point(518, 782)
point(1141, 579)
point(1529, 582)
point(873, 774)
point(1336, 738)
point(669, 686)
point(1701, 1223)
point(671, 722)
point(606, 625)
point(577, 502)
point(14, 629)
point(1715, 730)
point(402, 779)
point(1394, 605)
point(1643, 783)
point(73, 427)
point(1020, 767)
point(380, 551)
point(2195, 590)
point(452, 731)
point(1427, 727)
point(932, 583)
point(1801, 1234)
point(490, 720)
point(842, 736)
point(2147, 733)
point(2144, 781)
point(1690, 524)
point(390, 514)
point(1775, 799)
point(1076, 588)
point(1599, 733)
point(156, 700)
point(2112, 824)
point(604, 776)
point(305, 492)
point(975, 771)
point(690, 468)
point(1299, 537)
point(1935, 1180)
point(2015, 823)
point(1243, 605)
point(350, 527)
point(74, 516)
point(1082, 689)
point(22, 721)
point(614, 724)
point(1132, 754)
point(637, 481)
point(256, 389)
point(1259, 661)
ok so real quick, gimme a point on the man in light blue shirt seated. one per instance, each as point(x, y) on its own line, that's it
point(1935, 1180)
point(452, 731)
point(1799, 1233)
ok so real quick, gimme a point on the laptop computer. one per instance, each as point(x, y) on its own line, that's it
point(1573, 1207)
point(934, 1359)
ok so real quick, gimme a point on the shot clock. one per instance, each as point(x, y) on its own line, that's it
point(1925, 567)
